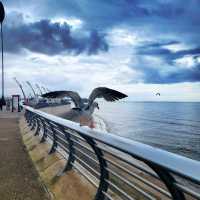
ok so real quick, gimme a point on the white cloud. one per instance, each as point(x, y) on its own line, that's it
point(75, 73)
point(75, 23)
point(123, 37)
point(111, 69)
point(177, 47)
point(186, 62)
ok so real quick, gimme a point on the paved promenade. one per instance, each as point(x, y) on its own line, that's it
point(18, 177)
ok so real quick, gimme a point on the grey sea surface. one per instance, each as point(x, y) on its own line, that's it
point(172, 126)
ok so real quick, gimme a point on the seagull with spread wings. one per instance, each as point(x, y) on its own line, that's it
point(84, 108)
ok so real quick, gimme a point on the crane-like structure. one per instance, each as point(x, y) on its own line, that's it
point(29, 84)
point(21, 88)
point(39, 89)
point(44, 89)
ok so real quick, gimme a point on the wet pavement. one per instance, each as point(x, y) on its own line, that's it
point(18, 177)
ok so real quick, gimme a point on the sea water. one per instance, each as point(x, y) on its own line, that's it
point(172, 126)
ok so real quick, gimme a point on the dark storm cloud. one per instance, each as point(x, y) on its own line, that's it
point(175, 21)
point(159, 44)
point(159, 18)
point(106, 13)
point(169, 72)
point(160, 50)
point(155, 76)
point(52, 38)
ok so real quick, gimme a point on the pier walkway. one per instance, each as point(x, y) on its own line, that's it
point(18, 177)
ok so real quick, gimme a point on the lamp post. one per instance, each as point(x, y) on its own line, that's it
point(2, 16)
point(44, 89)
point(20, 86)
point(38, 87)
point(29, 84)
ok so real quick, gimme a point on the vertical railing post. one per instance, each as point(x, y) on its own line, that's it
point(27, 116)
point(104, 174)
point(26, 113)
point(30, 118)
point(38, 126)
point(71, 157)
point(168, 180)
point(34, 118)
point(44, 135)
point(54, 144)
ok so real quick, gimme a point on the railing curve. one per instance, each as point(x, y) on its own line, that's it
point(119, 168)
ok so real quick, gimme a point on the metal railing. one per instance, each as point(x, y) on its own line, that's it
point(118, 167)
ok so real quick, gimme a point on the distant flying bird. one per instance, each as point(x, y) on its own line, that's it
point(84, 107)
point(157, 94)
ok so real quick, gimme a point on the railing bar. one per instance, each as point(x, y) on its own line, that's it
point(67, 151)
point(85, 147)
point(174, 171)
point(49, 133)
point(47, 125)
point(107, 195)
point(130, 163)
point(58, 143)
point(50, 136)
point(164, 192)
point(58, 150)
point(76, 136)
point(131, 185)
point(187, 191)
point(58, 140)
point(57, 136)
point(89, 179)
point(137, 155)
point(63, 147)
point(79, 159)
point(119, 190)
point(70, 131)
point(86, 155)
point(76, 141)
point(48, 129)
point(59, 132)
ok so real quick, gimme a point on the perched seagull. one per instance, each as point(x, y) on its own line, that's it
point(84, 107)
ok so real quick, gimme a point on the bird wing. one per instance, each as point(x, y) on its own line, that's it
point(60, 94)
point(106, 93)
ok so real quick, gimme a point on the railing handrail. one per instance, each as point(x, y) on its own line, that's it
point(177, 164)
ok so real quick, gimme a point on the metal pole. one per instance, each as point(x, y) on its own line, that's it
point(48, 90)
point(29, 84)
point(38, 88)
point(44, 89)
point(2, 73)
point(2, 62)
point(2, 16)
point(20, 85)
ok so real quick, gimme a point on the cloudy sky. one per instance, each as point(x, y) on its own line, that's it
point(139, 47)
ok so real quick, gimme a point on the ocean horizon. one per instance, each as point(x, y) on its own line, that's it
point(171, 126)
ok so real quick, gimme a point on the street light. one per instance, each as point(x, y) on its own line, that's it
point(20, 86)
point(29, 84)
point(38, 87)
point(2, 16)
